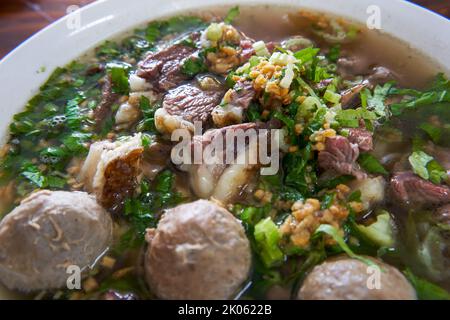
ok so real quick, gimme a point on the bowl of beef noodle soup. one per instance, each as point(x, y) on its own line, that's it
point(218, 150)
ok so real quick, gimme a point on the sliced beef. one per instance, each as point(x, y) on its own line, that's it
point(236, 100)
point(104, 107)
point(340, 155)
point(242, 94)
point(410, 188)
point(362, 138)
point(351, 66)
point(246, 49)
point(380, 75)
point(192, 102)
point(163, 68)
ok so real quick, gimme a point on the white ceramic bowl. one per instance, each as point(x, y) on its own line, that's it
point(21, 72)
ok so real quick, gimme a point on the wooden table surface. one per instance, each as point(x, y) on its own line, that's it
point(19, 19)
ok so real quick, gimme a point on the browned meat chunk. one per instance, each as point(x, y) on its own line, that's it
point(104, 107)
point(410, 188)
point(120, 179)
point(340, 155)
point(362, 138)
point(163, 68)
point(111, 170)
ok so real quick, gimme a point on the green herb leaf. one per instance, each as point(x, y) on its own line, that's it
point(146, 140)
point(371, 164)
point(297, 174)
point(72, 112)
point(306, 55)
point(119, 78)
point(332, 183)
point(55, 182)
point(152, 32)
point(379, 232)
point(333, 232)
point(334, 53)
point(231, 15)
point(193, 66)
point(419, 161)
point(267, 237)
point(433, 132)
point(327, 200)
point(351, 117)
point(436, 172)
point(34, 175)
point(439, 92)
point(74, 141)
point(253, 112)
point(426, 290)
point(355, 196)
point(143, 209)
point(108, 49)
point(376, 100)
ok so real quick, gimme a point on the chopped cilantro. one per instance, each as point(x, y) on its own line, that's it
point(371, 164)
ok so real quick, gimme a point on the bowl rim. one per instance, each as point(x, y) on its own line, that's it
point(96, 3)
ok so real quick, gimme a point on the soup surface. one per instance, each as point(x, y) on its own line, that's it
point(105, 194)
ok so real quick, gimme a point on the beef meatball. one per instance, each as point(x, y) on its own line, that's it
point(46, 233)
point(345, 278)
point(198, 251)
